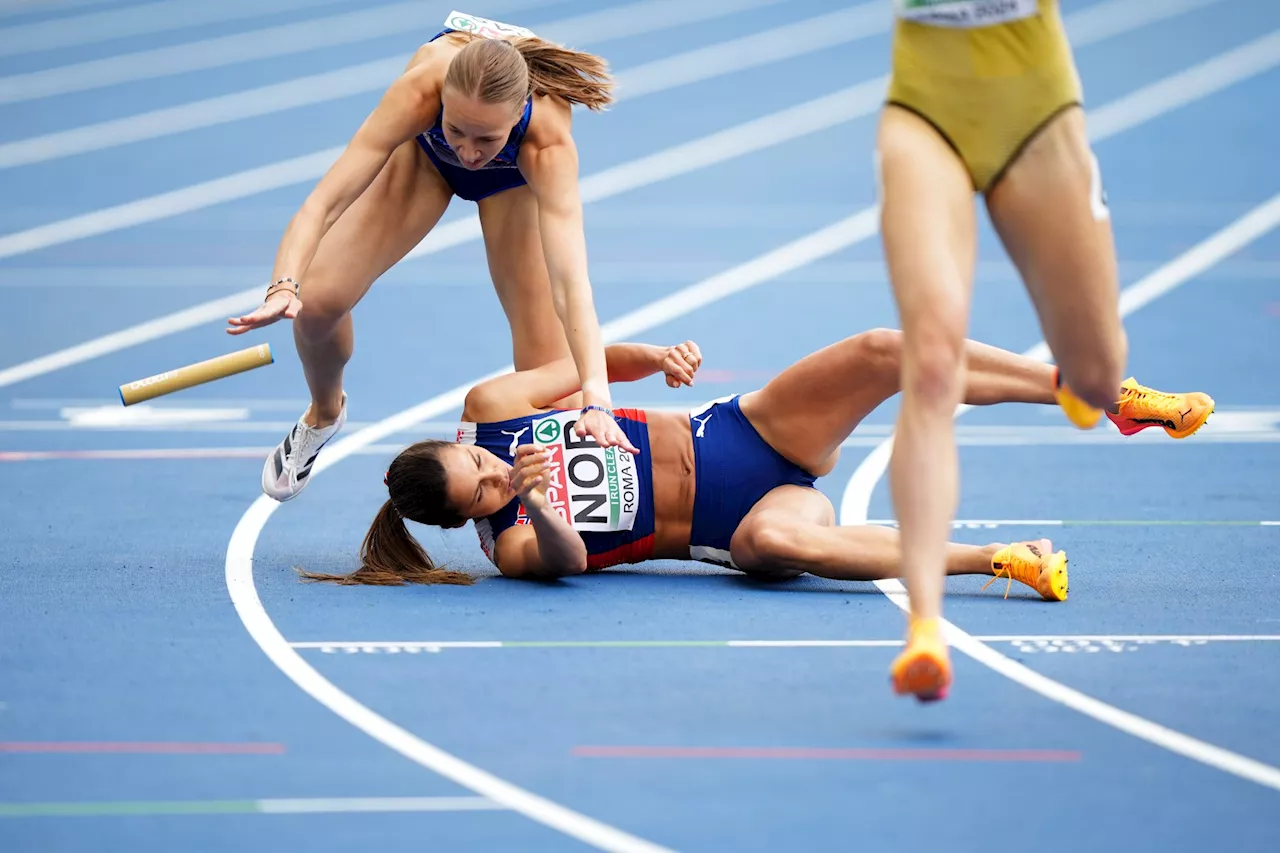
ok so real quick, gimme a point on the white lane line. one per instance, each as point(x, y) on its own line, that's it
point(1198, 82)
point(853, 102)
point(349, 805)
point(207, 420)
point(403, 18)
point(308, 805)
point(763, 48)
point(13, 8)
point(373, 646)
point(129, 21)
point(1105, 20)
point(857, 499)
point(412, 644)
point(704, 63)
point(166, 453)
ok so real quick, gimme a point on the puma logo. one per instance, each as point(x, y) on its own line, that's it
point(515, 440)
point(702, 425)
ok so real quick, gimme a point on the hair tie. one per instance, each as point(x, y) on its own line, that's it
point(384, 478)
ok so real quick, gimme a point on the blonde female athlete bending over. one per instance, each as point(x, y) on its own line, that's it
point(985, 97)
point(732, 483)
point(483, 113)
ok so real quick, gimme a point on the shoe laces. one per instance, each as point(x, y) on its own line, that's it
point(1151, 400)
point(307, 439)
point(1017, 568)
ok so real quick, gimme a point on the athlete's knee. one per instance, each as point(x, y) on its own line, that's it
point(1096, 378)
point(764, 547)
point(932, 358)
point(322, 311)
point(880, 352)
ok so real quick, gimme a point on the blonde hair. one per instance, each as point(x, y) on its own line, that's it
point(496, 71)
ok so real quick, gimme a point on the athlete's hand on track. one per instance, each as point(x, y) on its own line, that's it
point(281, 304)
point(604, 430)
point(529, 475)
point(680, 363)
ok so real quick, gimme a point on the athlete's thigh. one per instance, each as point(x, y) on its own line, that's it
point(808, 410)
point(513, 245)
point(781, 515)
point(1050, 214)
point(400, 207)
point(928, 226)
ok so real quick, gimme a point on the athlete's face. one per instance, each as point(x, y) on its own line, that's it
point(476, 131)
point(477, 482)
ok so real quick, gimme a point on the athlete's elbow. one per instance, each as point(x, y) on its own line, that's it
point(570, 565)
point(318, 211)
point(544, 570)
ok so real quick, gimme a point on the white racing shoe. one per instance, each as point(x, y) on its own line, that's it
point(286, 471)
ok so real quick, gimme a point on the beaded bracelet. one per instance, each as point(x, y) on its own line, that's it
point(281, 284)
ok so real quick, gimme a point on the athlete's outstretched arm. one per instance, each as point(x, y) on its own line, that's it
point(548, 160)
point(514, 394)
point(404, 111)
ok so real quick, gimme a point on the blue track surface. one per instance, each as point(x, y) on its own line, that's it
point(115, 622)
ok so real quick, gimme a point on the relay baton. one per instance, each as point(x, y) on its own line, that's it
point(196, 374)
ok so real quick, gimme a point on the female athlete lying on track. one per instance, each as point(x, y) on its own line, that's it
point(731, 483)
point(482, 112)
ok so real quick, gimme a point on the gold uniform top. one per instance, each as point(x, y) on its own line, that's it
point(987, 74)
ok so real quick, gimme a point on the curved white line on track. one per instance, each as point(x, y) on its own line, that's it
point(857, 499)
point(244, 595)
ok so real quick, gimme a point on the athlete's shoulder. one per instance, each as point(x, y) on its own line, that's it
point(487, 404)
point(551, 122)
point(429, 64)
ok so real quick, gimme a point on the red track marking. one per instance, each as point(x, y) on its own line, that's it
point(141, 748)
point(711, 374)
point(164, 453)
point(805, 753)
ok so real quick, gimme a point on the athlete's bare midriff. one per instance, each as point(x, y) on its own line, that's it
point(671, 452)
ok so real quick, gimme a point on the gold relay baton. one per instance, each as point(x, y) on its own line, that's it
point(196, 374)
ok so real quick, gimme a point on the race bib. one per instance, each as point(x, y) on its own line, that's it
point(965, 14)
point(484, 27)
point(595, 489)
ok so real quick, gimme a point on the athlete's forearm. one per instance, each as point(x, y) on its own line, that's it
point(633, 362)
point(560, 549)
point(552, 173)
point(582, 329)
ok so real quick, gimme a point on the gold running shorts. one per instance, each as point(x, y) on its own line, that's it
point(987, 88)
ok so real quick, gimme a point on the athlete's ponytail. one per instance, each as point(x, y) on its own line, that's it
point(497, 71)
point(389, 555)
point(578, 77)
